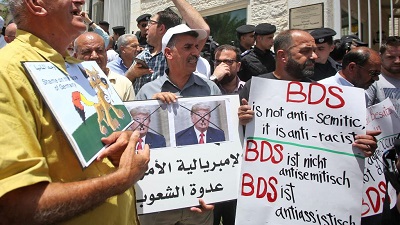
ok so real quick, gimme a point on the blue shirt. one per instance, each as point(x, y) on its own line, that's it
point(194, 87)
point(117, 66)
point(157, 63)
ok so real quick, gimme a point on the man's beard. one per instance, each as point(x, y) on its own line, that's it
point(227, 79)
point(395, 71)
point(299, 71)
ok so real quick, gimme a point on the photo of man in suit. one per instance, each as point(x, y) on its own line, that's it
point(200, 132)
point(141, 118)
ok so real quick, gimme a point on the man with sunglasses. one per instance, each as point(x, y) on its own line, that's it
point(361, 68)
point(141, 34)
point(227, 64)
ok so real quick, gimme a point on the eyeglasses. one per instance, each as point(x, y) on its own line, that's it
point(144, 25)
point(151, 22)
point(372, 73)
point(228, 62)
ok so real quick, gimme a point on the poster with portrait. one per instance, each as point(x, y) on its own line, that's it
point(299, 165)
point(202, 153)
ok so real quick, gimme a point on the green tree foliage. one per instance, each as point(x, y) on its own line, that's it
point(223, 27)
point(4, 11)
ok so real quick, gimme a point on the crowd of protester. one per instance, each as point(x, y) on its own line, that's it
point(40, 179)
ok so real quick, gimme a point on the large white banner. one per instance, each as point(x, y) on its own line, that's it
point(181, 169)
point(299, 166)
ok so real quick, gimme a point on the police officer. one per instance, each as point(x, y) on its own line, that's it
point(245, 35)
point(117, 32)
point(141, 35)
point(259, 60)
point(325, 66)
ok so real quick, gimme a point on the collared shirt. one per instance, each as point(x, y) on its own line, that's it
point(198, 133)
point(157, 63)
point(122, 85)
point(239, 85)
point(112, 55)
point(117, 66)
point(34, 148)
point(337, 79)
point(194, 87)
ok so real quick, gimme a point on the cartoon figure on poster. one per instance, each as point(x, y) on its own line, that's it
point(103, 106)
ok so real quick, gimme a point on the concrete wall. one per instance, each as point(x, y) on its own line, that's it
point(258, 11)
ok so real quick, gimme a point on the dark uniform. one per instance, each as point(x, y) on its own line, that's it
point(142, 39)
point(330, 67)
point(256, 61)
point(244, 29)
point(120, 30)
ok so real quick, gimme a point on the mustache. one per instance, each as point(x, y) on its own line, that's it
point(193, 58)
point(309, 62)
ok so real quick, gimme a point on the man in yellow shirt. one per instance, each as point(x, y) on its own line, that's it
point(41, 180)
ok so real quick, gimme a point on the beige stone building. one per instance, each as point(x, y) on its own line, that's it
point(370, 19)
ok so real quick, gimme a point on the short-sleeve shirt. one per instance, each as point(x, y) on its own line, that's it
point(157, 63)
point(33, 147)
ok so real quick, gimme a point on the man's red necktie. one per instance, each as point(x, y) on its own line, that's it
point(201, 141)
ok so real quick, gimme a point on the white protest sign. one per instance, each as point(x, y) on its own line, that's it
point(299, 166)
point(381, 116)
point(83, 102)
point(181, 170)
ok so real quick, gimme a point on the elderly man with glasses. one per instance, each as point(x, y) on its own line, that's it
point(361, 68)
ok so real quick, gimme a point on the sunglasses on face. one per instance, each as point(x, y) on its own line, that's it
point(372, 73)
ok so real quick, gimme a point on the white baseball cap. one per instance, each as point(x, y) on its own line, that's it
point(1, 22)
point(181, 28)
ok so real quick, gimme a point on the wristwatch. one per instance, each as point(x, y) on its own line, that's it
point(213, 78)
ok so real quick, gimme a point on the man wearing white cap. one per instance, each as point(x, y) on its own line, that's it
point(180, 45)
point(2, 41)
point(157, 26)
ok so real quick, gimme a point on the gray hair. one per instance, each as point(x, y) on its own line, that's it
point(140, 110)
point(200, 106)
point(18, 11)
point(124, 40)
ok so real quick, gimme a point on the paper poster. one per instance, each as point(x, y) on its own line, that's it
point(383, 117)
point(83, 102)
point(299, 166)
point(185, 165)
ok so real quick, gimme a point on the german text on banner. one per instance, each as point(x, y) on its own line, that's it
point(299, 166)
